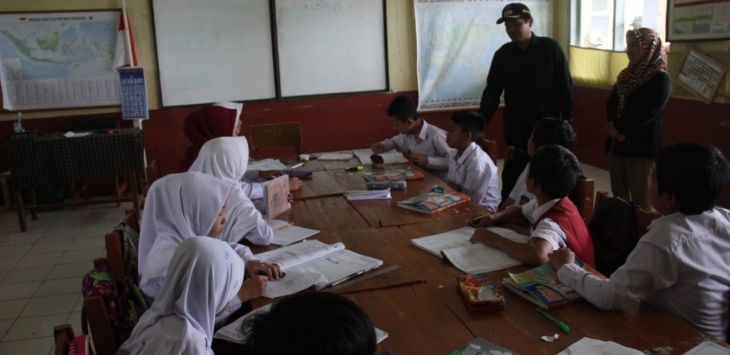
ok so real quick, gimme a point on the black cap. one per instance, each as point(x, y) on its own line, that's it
point(514, 11)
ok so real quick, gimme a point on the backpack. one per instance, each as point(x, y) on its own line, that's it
point(123, 302)
point(614, 231)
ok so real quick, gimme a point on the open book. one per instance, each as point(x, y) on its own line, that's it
point(393, 175)
point(541, 286)
point(321, 264)
point(276, 196)
point(433, 202)
point(233, 332)
point(466, 256)
point(357, 195)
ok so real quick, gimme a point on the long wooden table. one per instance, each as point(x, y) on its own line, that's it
point(428, 316)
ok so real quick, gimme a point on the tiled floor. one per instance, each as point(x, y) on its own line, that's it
point(41, 270)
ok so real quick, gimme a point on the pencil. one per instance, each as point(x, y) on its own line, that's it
point(562, 326)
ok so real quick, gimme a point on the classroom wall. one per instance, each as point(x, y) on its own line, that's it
point(351, 121)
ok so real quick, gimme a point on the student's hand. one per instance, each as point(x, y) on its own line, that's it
point(258, 267)
point(418, 159)
point(487, 237)
point(561, 257)
point(485, 221)
point(294, 184)
point(270, 174)
point(377, 148)
point(611, 130)
point(252, 288)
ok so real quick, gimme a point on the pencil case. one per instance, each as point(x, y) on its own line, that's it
point(382, 185)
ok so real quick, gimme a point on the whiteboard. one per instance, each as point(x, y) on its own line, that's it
point(213, 50)
point(330, 46)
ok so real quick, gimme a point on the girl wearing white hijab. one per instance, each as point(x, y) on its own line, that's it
point(227, 158)
point(178, 207)
point(205, 275)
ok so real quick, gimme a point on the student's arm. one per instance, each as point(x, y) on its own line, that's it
point(439, 160)
point(391, 143)
point(477, 182)
point(261, 235)
point(253, 190)
point(646, 104)
point(647, 269)
point(535, 252)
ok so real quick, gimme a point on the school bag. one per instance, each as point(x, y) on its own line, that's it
point(614, 231)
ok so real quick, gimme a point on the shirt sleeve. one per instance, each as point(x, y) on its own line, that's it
point(477, 183)
point(261, 235)
point(244, 252)
point(493, 90)
point(528, 209)
point(395, 142)
point(440, 158)
point(647, 269)
point(550, 231)
point(645, 104)
point(563, 84)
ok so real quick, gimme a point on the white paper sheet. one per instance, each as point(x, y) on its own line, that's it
point(708, 348)
point(436, 243)
point(335, 156)
point(292, 234)
point(295, 280)
point(267, 164)
point(593, 346)
point(358, 195)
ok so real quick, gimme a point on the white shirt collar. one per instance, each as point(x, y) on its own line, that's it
point(422, 135)
point(541, 209)
point(461, 158)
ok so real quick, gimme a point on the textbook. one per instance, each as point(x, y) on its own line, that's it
point(466, 256)
point(393, 175)
point(541, 286)
point(478, 346)
point(433, 202)
point(286, 233)
point(276, 196)
point(324, 264)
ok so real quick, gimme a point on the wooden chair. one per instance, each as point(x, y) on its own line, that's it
point(115, 255)
point(98, 326)
point(582, 197)
point(643, 217)
point(63, 335)
point(131, 218)
point(275, 136)
point(489, 147)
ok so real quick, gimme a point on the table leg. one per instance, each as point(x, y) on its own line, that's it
point(20, 207)
point(34, 205)
point(134, 186)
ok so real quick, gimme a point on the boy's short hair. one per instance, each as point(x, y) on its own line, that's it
point(469, 122)
point(402, 108)
point(550, 130)
point(693, 173)
point(311, 323)
point(555, 169)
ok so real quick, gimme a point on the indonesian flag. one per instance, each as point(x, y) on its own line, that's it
point(124, 55)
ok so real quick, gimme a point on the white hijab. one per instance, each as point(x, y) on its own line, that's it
point(227, 158)
point(178, 206)
point(205, 275)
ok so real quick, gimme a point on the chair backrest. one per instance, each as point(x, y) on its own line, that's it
point(489, 147)
point(582, 197)
point(275, 136)
point(115, 255)
point(99, 326)
point(62, 334)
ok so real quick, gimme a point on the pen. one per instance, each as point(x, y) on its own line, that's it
point(296, 166)
point(562, 326)
point(478, 219)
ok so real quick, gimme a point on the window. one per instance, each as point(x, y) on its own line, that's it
point(602, 24)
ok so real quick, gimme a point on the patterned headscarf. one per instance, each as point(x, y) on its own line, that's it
point(652, 59)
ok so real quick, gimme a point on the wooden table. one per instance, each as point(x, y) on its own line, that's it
point(429, 317)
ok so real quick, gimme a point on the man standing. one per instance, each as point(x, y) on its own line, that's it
point(533, 74)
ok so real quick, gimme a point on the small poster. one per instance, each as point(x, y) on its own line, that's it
point(701, 75)
point(133, 93)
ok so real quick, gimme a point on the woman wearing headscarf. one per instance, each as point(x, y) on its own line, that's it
point(227, 158)
point(205, 276)
point(634, 116)
point(219, 120)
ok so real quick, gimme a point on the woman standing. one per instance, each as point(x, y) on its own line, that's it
point(634, 116)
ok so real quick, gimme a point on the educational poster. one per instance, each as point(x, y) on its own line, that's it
point(456, 40)
point(133, 93)
point(58, 59)
point(698, 20)
point(701, 75)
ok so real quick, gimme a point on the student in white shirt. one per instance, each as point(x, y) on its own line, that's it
point(205, 276)
point(421, 143)
point(548, 130)
point(682, 263)
point(178, 207)
point(555, 220)
point(471, 170)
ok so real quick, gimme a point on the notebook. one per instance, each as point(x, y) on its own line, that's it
point(335, 156)
point(233, 331)
point(472, 258)
point(433, 202)
point(478, 346)
point(541, 286)
point(358, 195)
point(325, 264)
point(267, 164)
point(594, 346)
point(285, 233)
point(393, 175)
point(390, 157)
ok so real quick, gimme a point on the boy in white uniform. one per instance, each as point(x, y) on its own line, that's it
point(421, 143)
point(471, 170)
point(682, 264)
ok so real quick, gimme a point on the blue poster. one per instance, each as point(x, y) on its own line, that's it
point(133, 93)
